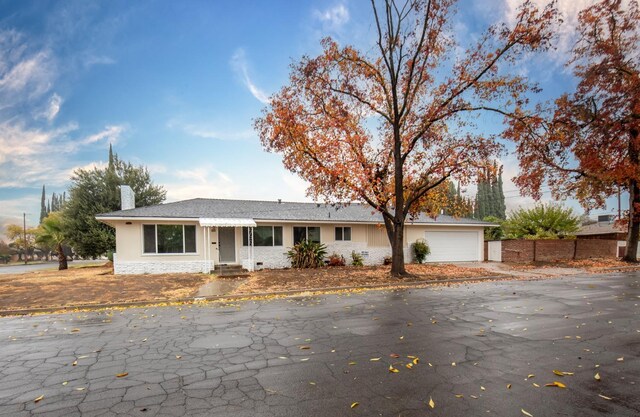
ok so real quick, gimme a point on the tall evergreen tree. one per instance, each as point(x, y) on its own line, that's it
point(502, 207)
point(490, 195)
point(96, 191)
point(43, 205)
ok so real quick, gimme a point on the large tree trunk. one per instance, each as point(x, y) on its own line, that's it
point(631, 254)
point(397, 253)
point(62, 258)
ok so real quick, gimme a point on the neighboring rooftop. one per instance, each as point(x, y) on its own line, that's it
point(600, 228)
point(270, 210)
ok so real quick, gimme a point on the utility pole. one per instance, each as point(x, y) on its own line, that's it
point(24, 235)
point(619, 211)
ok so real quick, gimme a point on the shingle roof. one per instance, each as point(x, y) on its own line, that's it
point(600, 228)
point(271, 210)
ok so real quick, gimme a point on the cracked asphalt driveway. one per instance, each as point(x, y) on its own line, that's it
point(482, 350)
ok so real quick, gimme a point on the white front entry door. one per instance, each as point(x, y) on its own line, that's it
point(453, 246)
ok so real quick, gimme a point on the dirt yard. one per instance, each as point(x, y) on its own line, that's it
point(589, 265)
point(97, 284)
point(269, 280)
point(92, 285)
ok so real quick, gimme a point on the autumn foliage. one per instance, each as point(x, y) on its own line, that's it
point(389, 126)
point(586, 144)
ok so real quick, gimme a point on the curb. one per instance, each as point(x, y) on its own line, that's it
point(235, 297)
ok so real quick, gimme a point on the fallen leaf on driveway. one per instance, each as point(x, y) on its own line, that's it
point(596, 377)
point(75, 330)
point(354, 405)
point(38, 399)
point(394, 355)
point(459, 396)
point(122, 375)
point(526, 413)
point(392, 369)
point(508, 386)
point(556, 384)
point(374, 359)
point(431, 403)
point(530, 376)
point(620, 359)
point(305, 347)
point(605, 397)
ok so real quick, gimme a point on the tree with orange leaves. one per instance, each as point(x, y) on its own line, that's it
point(587, 144)
point(389, 127)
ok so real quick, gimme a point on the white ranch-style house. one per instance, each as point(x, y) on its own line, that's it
point(196, 235)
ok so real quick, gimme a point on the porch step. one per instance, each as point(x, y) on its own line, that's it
point(230, 271)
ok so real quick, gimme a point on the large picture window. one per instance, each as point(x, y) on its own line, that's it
point(169, 238)
point(263, 236)
point(301, 233)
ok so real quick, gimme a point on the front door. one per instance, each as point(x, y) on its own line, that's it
point(227, 244)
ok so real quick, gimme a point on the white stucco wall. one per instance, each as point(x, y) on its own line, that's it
point(130, 259)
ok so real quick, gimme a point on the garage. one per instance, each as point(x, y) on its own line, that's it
point(453, 246)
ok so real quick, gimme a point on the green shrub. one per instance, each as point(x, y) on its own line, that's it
point(110, 255)
point(336, 260)
point(307, 254)
point(420, 250)
point(544, 221)
point(356, 259)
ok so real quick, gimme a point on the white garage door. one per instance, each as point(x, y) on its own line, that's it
point(453, 246)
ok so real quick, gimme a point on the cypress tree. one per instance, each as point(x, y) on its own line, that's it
point(43, 205)
point(502, 207)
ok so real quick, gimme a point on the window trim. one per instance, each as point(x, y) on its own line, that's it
point(343, 229)
point(184, 243)
point(273, 235)
point(306, 233)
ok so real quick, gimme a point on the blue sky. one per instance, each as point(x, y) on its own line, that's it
point(175, 85)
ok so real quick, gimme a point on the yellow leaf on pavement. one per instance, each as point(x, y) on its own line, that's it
point(432, 404)
point(392, 369)
point(374, 359)
point(354, 405)
point(597, 376)
point(38, 399)
point(526, 413)
point(556, 384)
point(122, 375)
point(605, 397)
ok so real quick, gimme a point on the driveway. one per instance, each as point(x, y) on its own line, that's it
point(482, 350)
point(21, 268)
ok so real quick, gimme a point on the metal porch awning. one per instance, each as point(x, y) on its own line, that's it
point(226, 222)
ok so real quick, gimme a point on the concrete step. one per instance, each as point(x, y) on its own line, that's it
point(230, 271)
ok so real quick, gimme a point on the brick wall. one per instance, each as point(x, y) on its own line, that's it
point(554, 250)
point(547, 250)
point(517, 250)
point(596, 248)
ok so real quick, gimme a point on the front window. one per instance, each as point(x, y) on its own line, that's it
point(169, 238)
point(301, 233)
point(343, 233)
point(263, 236)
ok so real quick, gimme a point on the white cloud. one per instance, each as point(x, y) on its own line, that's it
point(25, 74)
point(110, 134)
point(334, 17)
point(91, 60)
point(239, 65)
point(568, 9)
point(200, 182)
point(52, 108)
point(32, 156)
